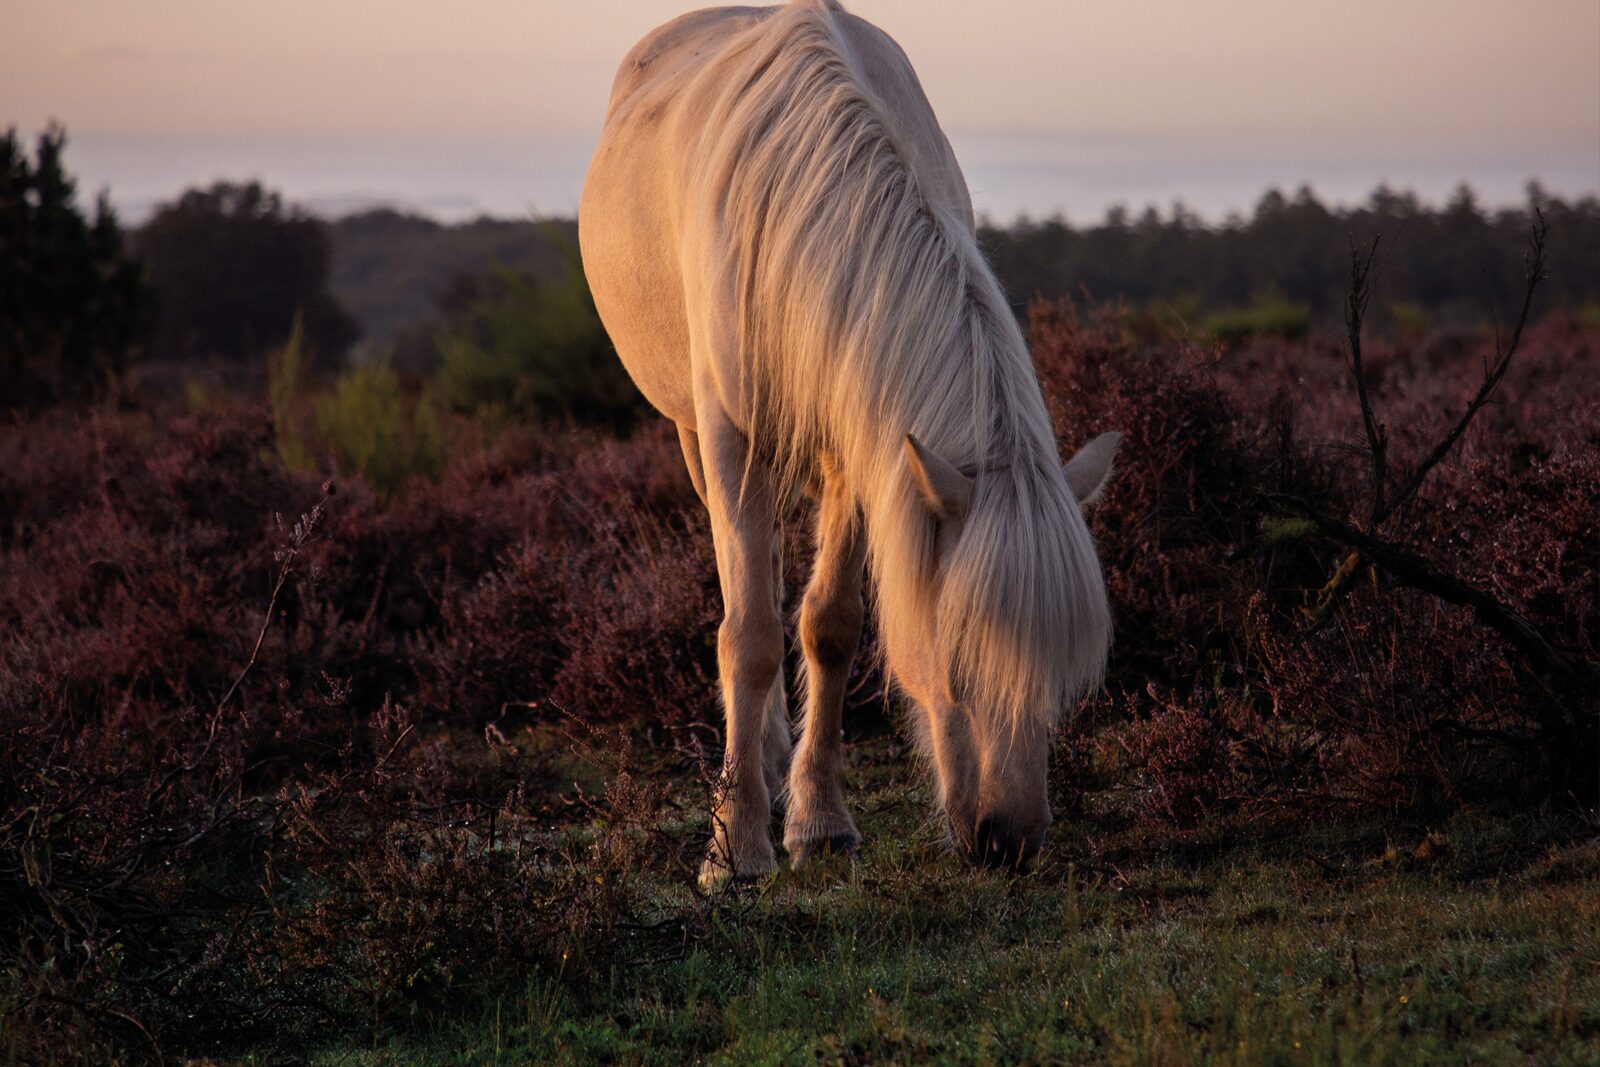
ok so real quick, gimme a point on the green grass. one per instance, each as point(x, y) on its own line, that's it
point(1471, 941)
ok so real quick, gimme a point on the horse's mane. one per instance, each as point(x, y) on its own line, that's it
point(866, 312)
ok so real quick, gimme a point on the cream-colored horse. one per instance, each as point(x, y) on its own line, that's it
point(782, 248)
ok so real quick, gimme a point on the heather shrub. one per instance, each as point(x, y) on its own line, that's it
point(235, 809)
point(1223, 690)
point(496, 644)
point(1187, 473)
point(644, 644)
point(279, 759)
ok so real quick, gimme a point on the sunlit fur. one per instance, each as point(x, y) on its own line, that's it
point(780, 242)
point(871, 314)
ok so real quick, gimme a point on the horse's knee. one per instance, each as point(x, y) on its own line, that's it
point(830, 628)
point(751, 648)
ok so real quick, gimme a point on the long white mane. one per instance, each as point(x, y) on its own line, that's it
point(867, 311)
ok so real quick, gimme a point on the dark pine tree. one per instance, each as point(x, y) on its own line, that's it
point(232, 267)
point(73, 307)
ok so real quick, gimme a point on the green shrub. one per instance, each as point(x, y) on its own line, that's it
point(1409, 319)
point(1270, 314)
point(526, 349)
point(365, 423)
point(368, 424)
point(294, 434)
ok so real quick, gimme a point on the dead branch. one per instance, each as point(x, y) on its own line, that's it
point(1533, 274)
point(97, 1013)
point(1413, 570)
point(1355, 311)
point(1383, 504)
point(302, 533)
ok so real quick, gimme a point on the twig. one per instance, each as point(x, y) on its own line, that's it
point(1533, 274)
point(299, 537)
point(1355, 311)
point(1383, 504)
point(89, 1010)
point(1416, 571)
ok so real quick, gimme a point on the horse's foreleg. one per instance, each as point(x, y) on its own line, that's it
point(779, 739)
point(830, 631)
point(744, 527)
point(778, 746)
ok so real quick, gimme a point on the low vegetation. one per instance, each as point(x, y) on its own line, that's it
point(1464, 939)
point(364, 714)
point(292, 769)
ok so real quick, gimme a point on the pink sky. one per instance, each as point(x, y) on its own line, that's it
point(1422, 79)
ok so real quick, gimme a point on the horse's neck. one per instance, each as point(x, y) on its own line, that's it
point(983, 412)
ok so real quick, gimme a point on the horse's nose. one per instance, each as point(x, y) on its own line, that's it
point(999, 843)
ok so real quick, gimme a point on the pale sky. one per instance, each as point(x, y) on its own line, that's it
point(1375, 84)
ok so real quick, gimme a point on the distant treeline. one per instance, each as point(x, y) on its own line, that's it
point(1281, 269)
point(1458, 261)
point(222, 276)
point(395, 272)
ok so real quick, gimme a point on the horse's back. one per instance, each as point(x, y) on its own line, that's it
point(643, 187)
point(669, 51)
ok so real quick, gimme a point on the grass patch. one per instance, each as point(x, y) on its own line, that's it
point(1378, 942)
point(355, 849)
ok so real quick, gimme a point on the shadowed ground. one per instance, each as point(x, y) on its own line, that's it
point(1467, 940)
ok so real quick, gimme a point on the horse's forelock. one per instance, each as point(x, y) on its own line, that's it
point(1022, 617)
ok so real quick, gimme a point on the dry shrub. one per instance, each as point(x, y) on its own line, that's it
point(361, 835)
point(1221, 695)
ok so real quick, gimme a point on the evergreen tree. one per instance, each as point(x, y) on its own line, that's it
point(234, 269)
point(73, 307)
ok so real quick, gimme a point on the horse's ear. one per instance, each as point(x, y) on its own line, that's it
point(945, 490)
point(1090, 470)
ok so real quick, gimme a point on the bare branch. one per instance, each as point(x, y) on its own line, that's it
point(298, 538)
point(1355, 312)
point(302, 534)
point(1414, 570)
point(1533, 274)
point(1383, 505)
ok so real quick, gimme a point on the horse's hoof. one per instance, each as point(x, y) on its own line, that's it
point(835, 844)
point(717, 873)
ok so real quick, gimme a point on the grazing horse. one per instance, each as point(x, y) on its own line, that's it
point(782, 248)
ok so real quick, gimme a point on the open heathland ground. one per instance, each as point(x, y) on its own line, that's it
point(1471, 939)
point(415, 768)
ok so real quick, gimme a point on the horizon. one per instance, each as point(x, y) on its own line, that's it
point(1012, 178)
point(485, 108)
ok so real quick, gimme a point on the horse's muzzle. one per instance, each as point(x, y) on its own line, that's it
point(998, 844)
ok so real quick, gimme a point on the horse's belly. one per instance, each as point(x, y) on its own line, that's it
point(633, 275)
